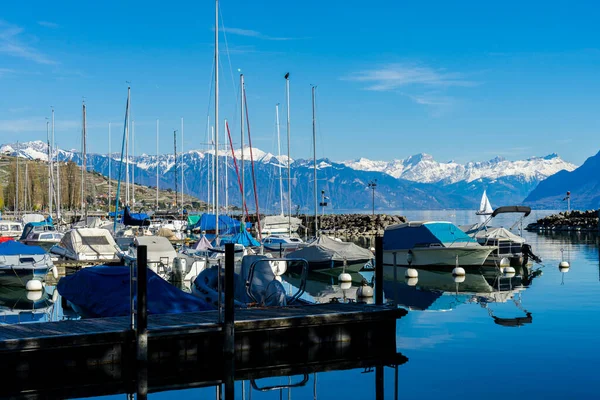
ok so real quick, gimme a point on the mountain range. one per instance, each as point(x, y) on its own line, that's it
point(583, 184)
point(417, 182)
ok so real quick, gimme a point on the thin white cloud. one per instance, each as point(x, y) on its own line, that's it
point(12, 45)
point(252, 33)
point(6, 71)
point(34, 124)
point(48, 24)
point(394, 76)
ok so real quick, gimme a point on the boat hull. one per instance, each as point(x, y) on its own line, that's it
point(468, 256)
point(18, 276)
point(335, 267)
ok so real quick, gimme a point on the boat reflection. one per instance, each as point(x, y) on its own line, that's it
point(326, 288)
point(18, 305)
point(438, 290)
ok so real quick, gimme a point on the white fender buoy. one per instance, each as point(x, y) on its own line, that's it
point(564, 264)
point(34, 295)
point(412, 281)
point(411, 273)
point(458, 271)
point(345, 277)
point(504, 262)
point(459, 278)
point(34, 285)
point(54, 295)
point(364, 291)
point(509, 274)
point(278, 278)
point(509, 270)
point(54, 272)
point(345, 285)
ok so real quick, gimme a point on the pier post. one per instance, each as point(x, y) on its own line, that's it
point(379, 386)
point(229, 328)
point(378, 270)
point(141, 323)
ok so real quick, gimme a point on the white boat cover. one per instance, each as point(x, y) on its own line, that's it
point(92, 222)
point(203, 244)
point(270, 222)
point(90, 243)
point(326, 249)
point(159, 248)
point(166, 233)
point(499, 233)
point(27, 218)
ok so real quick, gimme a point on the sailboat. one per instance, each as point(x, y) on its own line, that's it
point(279, 224)
point(485, 208)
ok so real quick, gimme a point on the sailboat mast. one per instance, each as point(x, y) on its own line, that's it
point(49, 168)
point(226, 168)
point(242, 145)
point(287, 97)
point(216, 118)
point(279, 154)
point(133, 166)
point(17, 186)
point(83, 166)
point(175, 174)
point(314, 127)
point(127, 149)
point(157, 163)
point(181, 167)
point(55, 190)
point(109, 166)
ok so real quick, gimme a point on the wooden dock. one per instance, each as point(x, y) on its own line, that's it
point(71, 357)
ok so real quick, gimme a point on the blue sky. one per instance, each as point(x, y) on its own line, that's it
point(464, 81)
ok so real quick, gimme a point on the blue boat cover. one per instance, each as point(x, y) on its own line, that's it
point(31, 225)
point(103, 291)
point(424, 234)
point(227, 225)
point(135, 219)
point(244, 238)
point(12, 248)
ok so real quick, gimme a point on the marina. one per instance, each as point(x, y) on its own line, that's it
point(302, 238)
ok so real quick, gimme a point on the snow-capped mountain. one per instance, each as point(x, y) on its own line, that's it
point(418, 182)
point(423, 168)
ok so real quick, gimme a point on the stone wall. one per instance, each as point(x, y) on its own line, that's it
point(351, 225)
point(568, 221)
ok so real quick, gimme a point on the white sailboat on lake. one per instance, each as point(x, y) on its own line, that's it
point(485, 208)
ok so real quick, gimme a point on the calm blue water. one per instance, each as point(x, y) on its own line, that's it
point(455, 347)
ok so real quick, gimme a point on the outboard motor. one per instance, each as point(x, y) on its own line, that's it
point(528, 253)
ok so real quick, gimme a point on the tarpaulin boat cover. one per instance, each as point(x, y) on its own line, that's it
point(12, 248)
point(166, 233)
point(158, 248)
point(5, 239)
point(103, 291)
point(202, 244)
point(193, 219)
point(244, 238)
point(31, 226)
point(326, 249)
point(227, 225)
point(499, 233)
point(27, 218)
point(90, 242)
point(411, 234)
point(135, 219)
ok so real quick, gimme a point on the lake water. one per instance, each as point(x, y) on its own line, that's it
point(466, 340)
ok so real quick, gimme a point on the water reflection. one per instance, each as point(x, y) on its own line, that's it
point(436, 290)
point(18, 305)
point(326, 288)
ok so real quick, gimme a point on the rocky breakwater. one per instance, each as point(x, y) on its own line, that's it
point(586, 221)
point(352, 225)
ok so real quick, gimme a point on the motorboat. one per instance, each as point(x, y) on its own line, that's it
point(257, 283)
point(282, 243)
point(276, 224)
point(24, 266)
point(510, 246)
point(12, 229)
point(333, 255)
point(105, 291)
point(87, 244)
point(432, 243)
point(160, 254)
point(40, 233)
